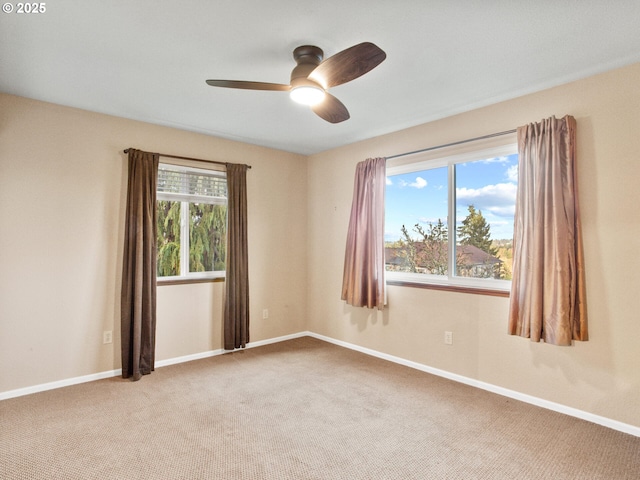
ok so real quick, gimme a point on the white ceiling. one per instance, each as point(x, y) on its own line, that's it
point(148, 59)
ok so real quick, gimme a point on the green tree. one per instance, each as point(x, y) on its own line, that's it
point(476, 231)
point(207, 233)
point(207, 237)
point(168, 228)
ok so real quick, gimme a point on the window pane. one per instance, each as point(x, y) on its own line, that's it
point(485, 205)
point(416, 231)
point(168, 238)
point(207, 232)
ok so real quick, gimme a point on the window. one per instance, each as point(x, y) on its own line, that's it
point(192, 223)
point(449, 221)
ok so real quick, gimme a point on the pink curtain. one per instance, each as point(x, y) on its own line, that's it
point(548, 291)
point(363, 278)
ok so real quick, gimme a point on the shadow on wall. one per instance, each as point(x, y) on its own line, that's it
point(573, 361)
point(117, 265)
point(362, 317)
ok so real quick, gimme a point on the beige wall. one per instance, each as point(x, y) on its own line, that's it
point(601, 376)
point(62, 196)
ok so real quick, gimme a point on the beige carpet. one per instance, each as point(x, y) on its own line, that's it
point(302, 409)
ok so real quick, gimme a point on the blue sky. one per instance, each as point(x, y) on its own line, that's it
point(421, 197)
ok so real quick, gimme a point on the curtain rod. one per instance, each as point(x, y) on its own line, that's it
point(491, 135)
point(189, 158)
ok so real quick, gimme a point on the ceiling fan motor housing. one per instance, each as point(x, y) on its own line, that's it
point(307, 58)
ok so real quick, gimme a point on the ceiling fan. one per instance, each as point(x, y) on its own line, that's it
point(311, 77)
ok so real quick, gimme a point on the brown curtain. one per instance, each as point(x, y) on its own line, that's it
point(138, 298)
point(363, 277)
point(236, 308)
point(548, 291)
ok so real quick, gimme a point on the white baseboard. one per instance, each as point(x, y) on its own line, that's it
point(19, 392)
point(188, 358)
point(556, 407)
point(284, 338)
point(213, 353)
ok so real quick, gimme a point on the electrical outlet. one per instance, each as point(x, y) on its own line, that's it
point(107, 337)
point(448, 338)
point(265, 313)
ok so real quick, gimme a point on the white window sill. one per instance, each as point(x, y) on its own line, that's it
point(478, 286)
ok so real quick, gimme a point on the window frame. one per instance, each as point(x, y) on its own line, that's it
point(185, 200)
point(427, 161)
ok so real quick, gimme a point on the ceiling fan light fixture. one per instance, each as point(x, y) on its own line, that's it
point(307, 95)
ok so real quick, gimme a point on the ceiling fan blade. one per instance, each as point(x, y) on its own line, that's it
point(331, 109)
point(348, 65)
point(249, 85)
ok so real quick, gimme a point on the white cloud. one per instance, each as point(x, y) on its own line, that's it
point(506, 211)
point(498, 199)
point(512, 173)
point(500, 223)
point(419, 183)
point(389, 182)
point(431, 220)
point(496, 160)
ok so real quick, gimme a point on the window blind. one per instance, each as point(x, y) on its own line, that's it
point(194, 185)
